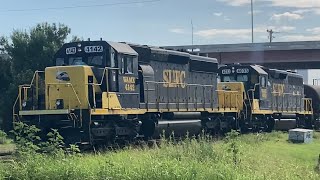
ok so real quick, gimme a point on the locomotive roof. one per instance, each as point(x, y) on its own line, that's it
point(277, 72)
point(122, 48)
point(144, 52)
point(156, 53)
point(259, 69)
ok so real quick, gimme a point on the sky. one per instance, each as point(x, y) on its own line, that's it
point(168, 22)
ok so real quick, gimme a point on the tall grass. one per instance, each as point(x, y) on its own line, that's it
point(261, 156)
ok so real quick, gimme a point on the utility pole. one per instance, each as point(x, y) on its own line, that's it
point(191, 32)
point(270, 32)
point(192, 35)
point(252, 20)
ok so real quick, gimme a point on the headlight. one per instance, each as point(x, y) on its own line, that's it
point(58, 102)
point(24, 104)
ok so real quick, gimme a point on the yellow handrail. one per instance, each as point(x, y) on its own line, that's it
point(67, 85)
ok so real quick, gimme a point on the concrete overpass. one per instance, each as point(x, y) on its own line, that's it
point(281, 55)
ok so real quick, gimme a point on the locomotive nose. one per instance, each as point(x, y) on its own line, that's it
point(65, 87)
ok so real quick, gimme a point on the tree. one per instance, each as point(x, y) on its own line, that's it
point(27, 52)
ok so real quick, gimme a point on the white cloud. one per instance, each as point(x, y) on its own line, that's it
point(315, 30)
point(275, 28)
point(299, 38)
point(255, 12)
point(285, 28)
point(177, 30)
point(302, 11)
point(279, 3)
point(218, 14)
point(282, 28)
point(316, 11)
point(226, 18)
point(236, 2)
point(211, 33)
point(238, 33)
point(296, 3)
point(241, 33)
point(286, 16)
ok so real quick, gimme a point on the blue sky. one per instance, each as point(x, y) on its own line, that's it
point(168, 22)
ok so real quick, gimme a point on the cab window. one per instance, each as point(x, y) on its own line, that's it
point(242, 78)
point(254, 79)
point(76, 61)
point(127, 64)
point(263, 82)
point(60, 62)
point(228, 79)
point(95, 60)
point(113, 60)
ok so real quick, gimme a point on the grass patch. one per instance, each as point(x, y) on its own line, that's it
point(260, 156)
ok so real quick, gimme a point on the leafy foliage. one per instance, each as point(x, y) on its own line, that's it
point(73, 149)
point(26, 52)
point(54, 143)
point(28, 141)
point(34, 50)
point(26, 137)
point(3, 137)
point(233, 147)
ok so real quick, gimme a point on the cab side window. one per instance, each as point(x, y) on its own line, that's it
point(127, 64)
point(263, 82)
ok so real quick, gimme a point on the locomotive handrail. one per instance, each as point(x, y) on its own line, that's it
point(161, 82)
point(28, 86)
point(253, 91)
point(33, 77)
point(14, 109)
point(99, 84)
point(68, 85)
point(75, 93)
point(103, 76)
point(177, 94)
point(308, 104)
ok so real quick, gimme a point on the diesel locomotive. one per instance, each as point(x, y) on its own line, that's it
point(269, 95)
point(101, 92)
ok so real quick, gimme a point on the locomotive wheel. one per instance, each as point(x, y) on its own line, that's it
point(147, 128)
point(309, 122)
point(270, 124)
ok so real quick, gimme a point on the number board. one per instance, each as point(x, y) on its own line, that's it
point(71, 50)
point(243, 71)
point(226, 71)
point(93, 49)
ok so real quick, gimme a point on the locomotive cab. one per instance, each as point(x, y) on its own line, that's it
point(254, 79)
point(92, 74)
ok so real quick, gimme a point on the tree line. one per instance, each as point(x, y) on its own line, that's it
point(22, 53)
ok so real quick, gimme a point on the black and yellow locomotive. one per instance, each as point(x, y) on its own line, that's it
point(269, 95)
point(102, 91)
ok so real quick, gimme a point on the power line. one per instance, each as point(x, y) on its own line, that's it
point(80, 6)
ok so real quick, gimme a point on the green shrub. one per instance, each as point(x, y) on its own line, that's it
point(3, 137)
point(26, 137)
point(53, 144)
